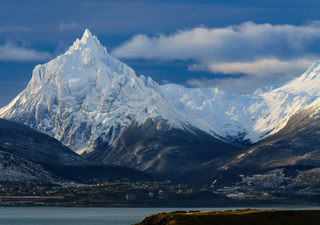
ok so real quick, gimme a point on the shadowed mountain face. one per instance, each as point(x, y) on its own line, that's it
point(298, 143)
point(296, 146)
point(155, 147)
point(24, 153)
point(28, 155)
point(97, 106)
point(19, 169)
point(28, 143)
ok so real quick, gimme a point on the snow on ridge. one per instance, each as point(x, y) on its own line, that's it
point(86, 94)
point(254, 116)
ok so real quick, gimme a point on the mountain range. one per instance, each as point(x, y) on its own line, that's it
point(250, 118)
point(96, 106)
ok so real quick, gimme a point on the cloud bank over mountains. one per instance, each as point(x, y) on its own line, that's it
point(251, 55)
point(261, 52)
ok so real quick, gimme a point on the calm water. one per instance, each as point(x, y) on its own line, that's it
point(90, 216)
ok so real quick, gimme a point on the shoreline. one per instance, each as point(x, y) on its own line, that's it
point(237, 217)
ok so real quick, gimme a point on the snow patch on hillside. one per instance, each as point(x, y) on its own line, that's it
point(16, 168)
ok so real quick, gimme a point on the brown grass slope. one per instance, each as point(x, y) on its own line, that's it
point(241, 217)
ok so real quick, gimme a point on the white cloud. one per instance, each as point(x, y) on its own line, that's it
point(12, 52)
point(68, 26)
point(259, 68)
point(261, 51)
point(257, 74)
point(247, 42)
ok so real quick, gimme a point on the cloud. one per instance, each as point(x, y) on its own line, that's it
point(254, 75)
point(247, 42)
point(12, 52)
point(14, 29)
point(261, 52)
point(240, 85)
point(259, 68)
point(68, 26)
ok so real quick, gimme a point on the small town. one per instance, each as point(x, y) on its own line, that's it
point(139, 194)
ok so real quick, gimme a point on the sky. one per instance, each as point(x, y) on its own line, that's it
point(237, 46)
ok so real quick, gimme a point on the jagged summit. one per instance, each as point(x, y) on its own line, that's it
point(87, 34)
point(85, 64)
point(252, 117)
point(314, 65)
point(86, 95)
point(88, 84)
point(88, 42)
point(307, 83)
point(97, 106)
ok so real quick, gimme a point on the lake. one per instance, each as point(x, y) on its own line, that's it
point(93, 216)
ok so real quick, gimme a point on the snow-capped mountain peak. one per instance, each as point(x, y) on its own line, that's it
point(87, 35)
point(86, 94)
point(255, 116)
point(307, 83)
point(88, 42)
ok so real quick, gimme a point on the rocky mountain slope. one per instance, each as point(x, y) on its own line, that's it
point(296, 147)
point(98, 107)
point(28, 155)
point(16, 168)
point(161, 151)
point(30, 144)
point(295, 144)
point(24, 152)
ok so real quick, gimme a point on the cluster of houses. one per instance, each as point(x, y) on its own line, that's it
point(236, 194)
point(101, 193)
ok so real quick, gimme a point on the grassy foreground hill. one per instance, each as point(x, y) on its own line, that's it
point(239, 217)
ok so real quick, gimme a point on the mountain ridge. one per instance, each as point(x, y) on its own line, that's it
point(87, 99)
point(26, 155)
point(250, 118)
point(89, 83)
point(97, 106)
